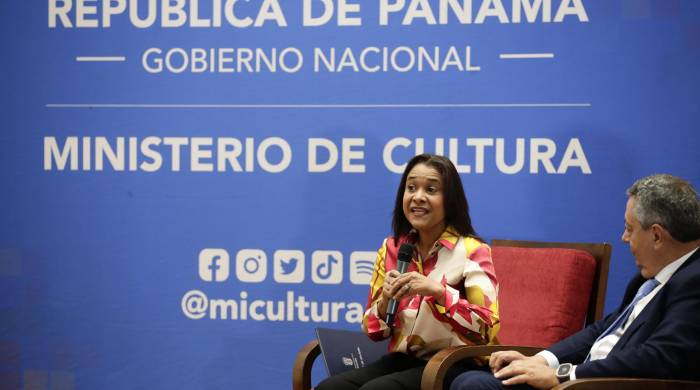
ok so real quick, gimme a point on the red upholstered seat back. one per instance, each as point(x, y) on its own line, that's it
point(543, 293)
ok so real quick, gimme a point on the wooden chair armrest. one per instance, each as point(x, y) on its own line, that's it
point(435, 370)
point(627, 384)
point(303, 363)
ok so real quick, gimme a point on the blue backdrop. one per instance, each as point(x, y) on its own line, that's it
point(191, 187)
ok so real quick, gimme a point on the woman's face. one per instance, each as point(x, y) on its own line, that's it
point(423, 201)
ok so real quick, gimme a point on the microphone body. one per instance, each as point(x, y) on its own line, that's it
point(404, 259)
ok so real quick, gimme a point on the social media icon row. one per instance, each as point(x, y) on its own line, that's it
point(288, 266)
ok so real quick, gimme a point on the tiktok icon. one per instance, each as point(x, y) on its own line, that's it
point(327, 267)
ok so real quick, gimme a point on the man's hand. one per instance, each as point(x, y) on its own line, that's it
point(501, 359)
point(515, 368)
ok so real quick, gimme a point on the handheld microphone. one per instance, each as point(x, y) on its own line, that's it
point(405, 255)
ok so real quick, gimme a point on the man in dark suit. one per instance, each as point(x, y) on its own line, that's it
point(655, 333)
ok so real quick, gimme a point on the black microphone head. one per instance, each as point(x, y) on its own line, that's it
point(405, 253)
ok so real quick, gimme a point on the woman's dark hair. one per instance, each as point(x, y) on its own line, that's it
point(454, 200)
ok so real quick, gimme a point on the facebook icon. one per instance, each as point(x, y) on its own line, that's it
point(213, 265)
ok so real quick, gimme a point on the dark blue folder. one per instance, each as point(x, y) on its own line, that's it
point(345, 350)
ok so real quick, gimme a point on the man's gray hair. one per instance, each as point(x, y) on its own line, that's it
point(670, 202)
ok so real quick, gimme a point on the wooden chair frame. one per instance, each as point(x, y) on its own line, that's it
point(628, 384)
point(304, 362)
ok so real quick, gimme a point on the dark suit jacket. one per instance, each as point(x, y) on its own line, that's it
point(662, 342)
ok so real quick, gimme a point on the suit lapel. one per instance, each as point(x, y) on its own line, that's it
point(651, 307)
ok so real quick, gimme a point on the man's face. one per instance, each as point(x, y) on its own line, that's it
point(642, 243)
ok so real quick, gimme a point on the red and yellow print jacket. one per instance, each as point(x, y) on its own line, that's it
point(422, 326)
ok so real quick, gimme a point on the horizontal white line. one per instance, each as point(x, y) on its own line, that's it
point(101, 59)
point(525, 56)
point(305, 106)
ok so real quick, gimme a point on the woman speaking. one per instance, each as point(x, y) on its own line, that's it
point(447, 292)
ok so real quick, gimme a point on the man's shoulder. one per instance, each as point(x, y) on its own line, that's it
point(689, 270)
